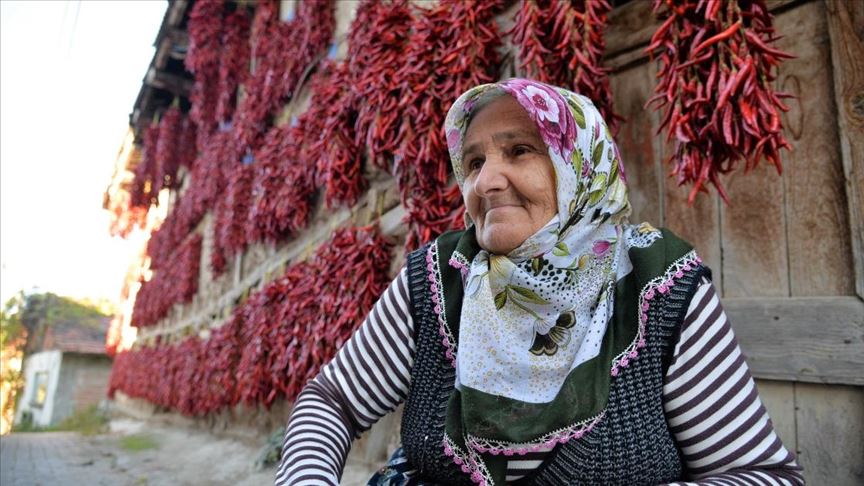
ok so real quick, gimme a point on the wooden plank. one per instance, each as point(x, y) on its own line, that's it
point(845, 21)
point(699, 224)
point(779, 399)
point(632, 25)
point(753, 235)
point(815, 202)
point(831, 433)
point(636, 141)
point(812, 339)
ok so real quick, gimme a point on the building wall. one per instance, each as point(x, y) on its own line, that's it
point(43, 362)
point(785, 243)
point(83, 382)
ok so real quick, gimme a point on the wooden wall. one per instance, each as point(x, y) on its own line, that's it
point(782, 251)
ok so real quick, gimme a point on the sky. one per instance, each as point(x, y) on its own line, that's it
point(69, 76)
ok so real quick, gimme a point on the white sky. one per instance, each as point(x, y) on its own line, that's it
point(69, 75)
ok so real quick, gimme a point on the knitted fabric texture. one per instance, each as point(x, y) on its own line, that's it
point(630, 445)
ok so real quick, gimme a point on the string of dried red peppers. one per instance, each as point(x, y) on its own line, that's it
point(233, 63)
point(141, 192)
point(167, 150)
point(202, 60)
point(283, 189)
point(453, 47)
point(561, 42)
point(377, 42)
point(333, 149)
point(273, 342)
point(175, 283)
point(281, 53)
point(716, 69)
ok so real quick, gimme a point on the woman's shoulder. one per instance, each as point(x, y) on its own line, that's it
point(657, 251)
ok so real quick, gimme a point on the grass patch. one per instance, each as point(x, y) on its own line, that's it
point(86, 422)
point(137, 442)
point(89, 421)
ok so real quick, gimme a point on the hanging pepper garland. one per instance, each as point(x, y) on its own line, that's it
point(230, 216)
point(716, 69)
point(221, 351)
point(167, 150)
point(141, 194)
point(202, 60)
point(328, 299)
point(561, 42)
point(253, 378)
point(377, 42)
point(334, 149)
point(233, 63)
point(188, 150)
point(175, 283)
point(283, 189)
point(274, 342)
point(452, 48)
point(281, 53)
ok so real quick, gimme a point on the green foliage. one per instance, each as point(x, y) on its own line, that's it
point(89, 421)
point(271, 452)
point(137, 442)
point(29, 315)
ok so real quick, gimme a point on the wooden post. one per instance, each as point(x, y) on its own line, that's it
point(846, 28)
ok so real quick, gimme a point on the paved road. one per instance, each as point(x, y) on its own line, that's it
point(49, 458)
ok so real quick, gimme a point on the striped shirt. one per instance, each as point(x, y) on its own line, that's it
point(711, 403)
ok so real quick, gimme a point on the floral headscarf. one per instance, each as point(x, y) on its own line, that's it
point(532, 321)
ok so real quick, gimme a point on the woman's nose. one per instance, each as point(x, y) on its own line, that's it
point(492, 176)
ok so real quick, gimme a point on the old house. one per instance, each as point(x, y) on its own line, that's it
point(67, 372)
point(241, 278)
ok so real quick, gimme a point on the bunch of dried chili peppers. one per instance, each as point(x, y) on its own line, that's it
point(281, 54)
point(141, 192)
point(716, 69)
point(202, 60)
point(175, 283)
point(333, 149)
point(377, 43)
point(167, 150)
point(561, 42)
point(283, 190)
point(233, 63)
point(453, 47)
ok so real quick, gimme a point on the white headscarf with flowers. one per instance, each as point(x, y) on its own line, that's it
point(530, 317)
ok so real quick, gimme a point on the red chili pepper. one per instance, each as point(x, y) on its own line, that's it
point(723, 85)
point(717, 38)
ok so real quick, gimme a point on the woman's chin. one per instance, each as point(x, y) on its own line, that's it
point(501, 238)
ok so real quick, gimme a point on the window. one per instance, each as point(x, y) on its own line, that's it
point(40, 389)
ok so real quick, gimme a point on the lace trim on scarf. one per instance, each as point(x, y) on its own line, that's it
point(469, 461)
point(460, 262)
point(661, 285)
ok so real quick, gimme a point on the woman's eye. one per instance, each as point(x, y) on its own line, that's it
point(521, 150)
point(475, 163)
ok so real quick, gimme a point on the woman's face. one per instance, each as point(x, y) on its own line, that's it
point(509, 188)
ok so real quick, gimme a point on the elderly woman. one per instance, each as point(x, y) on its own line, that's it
point(549, 343)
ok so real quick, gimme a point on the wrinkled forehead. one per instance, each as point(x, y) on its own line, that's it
point(542, 103)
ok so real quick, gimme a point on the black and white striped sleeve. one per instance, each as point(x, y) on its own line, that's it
point(713, 409)
point(368, 378)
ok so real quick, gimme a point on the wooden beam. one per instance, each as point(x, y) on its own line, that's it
point(812, 339)
point(632, 25)
point(169, 82)
point(846, 28)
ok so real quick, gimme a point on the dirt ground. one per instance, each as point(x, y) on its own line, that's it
point(132, 453)
point(137, 453)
